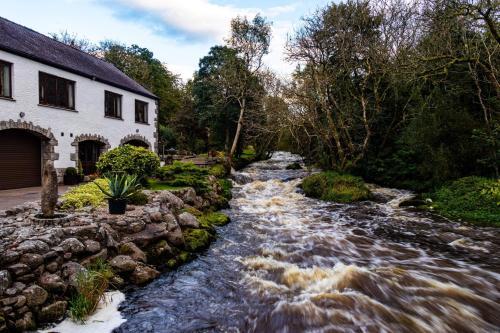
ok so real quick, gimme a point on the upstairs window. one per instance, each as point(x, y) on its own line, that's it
point(141, 112)
point(5, 79)
point(56, 91)
point(112, 105)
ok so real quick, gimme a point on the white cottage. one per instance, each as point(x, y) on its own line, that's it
point(58, 103)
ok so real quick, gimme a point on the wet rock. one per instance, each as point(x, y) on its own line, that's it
point(21, 301)
point(103, 254)
point(85, 231)
point(35, 295)
point(143, 274)
point(92, 246)
point(9, 257)
point(175, 237)
point(109, 235)
point(72, 245)
point(160, 249)
point(152, 233)
point(5, 281)
point(133, 251)
point(33, 246)
point(9, 301)
point(53, 312)
point(189, 196)
point(70, 270)
point(156, 217)
point(52, 267)
point(33, 260)
point(171, 200)
point(117, 281)
point(188, 220)
point(123, 263)
point(26, 323)
point(52, 282)
point(19, 269)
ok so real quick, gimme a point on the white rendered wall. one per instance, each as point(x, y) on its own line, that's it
point(88, 117)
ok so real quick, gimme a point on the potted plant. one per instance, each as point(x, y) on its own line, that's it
point(121, 187)
point(71, 176)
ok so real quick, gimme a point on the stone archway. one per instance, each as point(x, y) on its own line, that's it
point(31, 154)
point(79, 139)
point(136, 138)
point(49, 142)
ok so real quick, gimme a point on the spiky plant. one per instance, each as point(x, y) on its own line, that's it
point(121, 186)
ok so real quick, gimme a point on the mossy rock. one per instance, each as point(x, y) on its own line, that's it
point(193, 211)
point(214, 219)
point(333, 186)
point(197, 239)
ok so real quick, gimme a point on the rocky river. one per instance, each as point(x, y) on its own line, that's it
point(288, 264)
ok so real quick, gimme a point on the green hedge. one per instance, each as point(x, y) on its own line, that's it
point(84, 195)
point(181, 174)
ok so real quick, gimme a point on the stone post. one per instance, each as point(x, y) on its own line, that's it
point(49, 189)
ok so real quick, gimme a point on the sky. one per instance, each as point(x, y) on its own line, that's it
point(178, 32)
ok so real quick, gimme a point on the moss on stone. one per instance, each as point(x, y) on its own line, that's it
point(214, 219)
point(193, 211)
point(197, 239)
point(171, 263)
point(332, 186)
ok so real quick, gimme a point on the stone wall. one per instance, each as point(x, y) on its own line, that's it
point(39, 262)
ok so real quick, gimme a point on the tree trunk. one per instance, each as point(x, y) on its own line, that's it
point(238, 129)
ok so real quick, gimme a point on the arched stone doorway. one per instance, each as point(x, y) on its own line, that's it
point(88, 149)
point(135, 140)
point(24, 149)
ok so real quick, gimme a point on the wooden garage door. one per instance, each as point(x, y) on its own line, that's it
point(20, 159)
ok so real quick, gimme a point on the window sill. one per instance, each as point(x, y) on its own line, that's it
point(141, 123)
point(115, 118)
point(7, 99)
point(57, 107)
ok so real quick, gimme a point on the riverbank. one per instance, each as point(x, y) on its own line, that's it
point(40, 264)
point(474, 200)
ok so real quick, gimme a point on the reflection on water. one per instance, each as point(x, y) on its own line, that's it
point(288, 263)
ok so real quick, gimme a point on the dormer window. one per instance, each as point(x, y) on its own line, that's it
point(112, 105)
point(141, 112)
point(56, 91)
point(5, 79)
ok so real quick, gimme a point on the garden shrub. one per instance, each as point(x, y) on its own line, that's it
point(131, 160)
point(332, 186)
point(474, 199)
point(84, 195)
point(71, 171)
point(218, 170)
point(139, 198)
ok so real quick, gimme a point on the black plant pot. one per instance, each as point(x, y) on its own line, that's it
point(117, 206)
point(71, 179)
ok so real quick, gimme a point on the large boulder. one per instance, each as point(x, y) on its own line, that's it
point(72, 245)
point(133, 251)
point(188, 220)
point(35, 295)
point(123, 263)
point(152, 233)
point(92, 246)
point(33, 260)
point(26, 322)
point(143, 274)
point(52, 282)
point(53, 312)
point(171, 200)
point(33, 246)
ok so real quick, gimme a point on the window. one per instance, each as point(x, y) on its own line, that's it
point(5, 79)
point(112, 105)
point(56, 91)
point(141, 112)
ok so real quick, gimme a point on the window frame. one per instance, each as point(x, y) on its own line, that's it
point(145, 110)
point(120, 98)
point(58, 79)
point(9, 64)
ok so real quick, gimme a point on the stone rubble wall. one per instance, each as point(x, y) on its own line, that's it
point(39, 263)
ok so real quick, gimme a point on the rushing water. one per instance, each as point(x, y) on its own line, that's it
point(288, 263)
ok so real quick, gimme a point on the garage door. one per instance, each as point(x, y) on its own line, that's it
point(20, 159)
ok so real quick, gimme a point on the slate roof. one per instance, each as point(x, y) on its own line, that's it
point(22, 41)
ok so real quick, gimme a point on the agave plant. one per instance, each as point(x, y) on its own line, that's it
point(121, 186)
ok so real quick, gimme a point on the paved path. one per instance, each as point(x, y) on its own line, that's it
point(11, 198)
